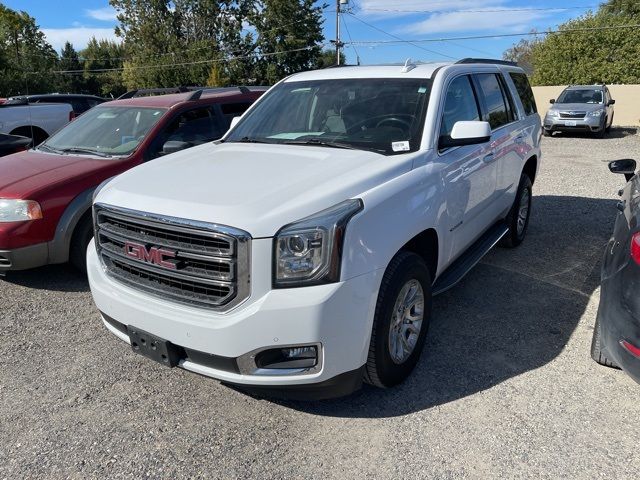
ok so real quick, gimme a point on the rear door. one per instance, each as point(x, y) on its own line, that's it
point(498, 108)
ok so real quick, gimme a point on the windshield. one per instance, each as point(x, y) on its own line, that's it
point(581, 96)
point(381, 115)
point(105, 131)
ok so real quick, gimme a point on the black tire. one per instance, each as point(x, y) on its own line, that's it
point(515, 235)
point(381, 370)
point(598, 353)
point(601, 133)
point(610, 124)
point(546, 133)
point(82, 235)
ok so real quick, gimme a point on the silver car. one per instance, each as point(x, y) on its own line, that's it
point(581, 108)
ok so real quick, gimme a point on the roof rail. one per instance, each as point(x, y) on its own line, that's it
point(486, 60)
point(141, 92)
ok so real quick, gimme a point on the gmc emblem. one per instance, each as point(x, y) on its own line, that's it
point(155, 255)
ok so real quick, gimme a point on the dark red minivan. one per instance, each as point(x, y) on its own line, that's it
point(46, 192)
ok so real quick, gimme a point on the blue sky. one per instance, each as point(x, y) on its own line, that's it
point(78, 20)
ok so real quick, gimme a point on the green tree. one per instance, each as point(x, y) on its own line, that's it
point(598, 54)
point(103, 61)
point(289, 33)
point(26, 58)
point(327, 58)
point(522, 53)
point(171, 43)
point(71, 82)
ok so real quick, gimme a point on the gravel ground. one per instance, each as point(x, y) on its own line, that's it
point(505, 388)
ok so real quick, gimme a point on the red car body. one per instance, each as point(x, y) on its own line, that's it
point(63, 184)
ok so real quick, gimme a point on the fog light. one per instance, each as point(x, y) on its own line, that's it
point(290, 357)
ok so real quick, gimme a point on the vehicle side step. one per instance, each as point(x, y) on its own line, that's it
point(470, 258)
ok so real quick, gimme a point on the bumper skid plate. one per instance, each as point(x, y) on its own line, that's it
point(153, 347)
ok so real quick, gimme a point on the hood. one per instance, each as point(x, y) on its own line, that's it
point(255, 187)
point(24, 174)
point(578, 107)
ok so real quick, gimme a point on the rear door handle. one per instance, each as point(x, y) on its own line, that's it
point(488, 158)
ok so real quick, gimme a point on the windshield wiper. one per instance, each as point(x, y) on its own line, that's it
point(85, 150)
point(46, 148)
point(250, 140)
point(329, 143)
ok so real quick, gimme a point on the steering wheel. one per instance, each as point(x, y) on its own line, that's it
point(405, 124)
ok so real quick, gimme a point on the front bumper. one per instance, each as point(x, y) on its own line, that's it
point(24, 258)
point(617, 323)
point(587, 124)
point(335, 317)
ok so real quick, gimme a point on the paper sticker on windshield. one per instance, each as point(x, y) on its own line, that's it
point(400, 146)
point(422, 90)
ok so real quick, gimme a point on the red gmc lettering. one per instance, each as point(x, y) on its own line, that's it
point(154, 255)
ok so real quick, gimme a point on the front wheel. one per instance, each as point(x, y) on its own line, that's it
point(82, 235)
point(518, 218)
point(401, 321)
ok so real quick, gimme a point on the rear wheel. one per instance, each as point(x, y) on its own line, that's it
point(401, 321)
point(598, 353)
point(79, 242)
point(518, 218)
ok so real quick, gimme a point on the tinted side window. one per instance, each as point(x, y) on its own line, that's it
point(496, 110)
point(524, 91)
point(230, 110)
point(460, 104)
point(194, 127)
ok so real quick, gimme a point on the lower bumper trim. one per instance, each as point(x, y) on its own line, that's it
point(24, 258)
point(339, 386)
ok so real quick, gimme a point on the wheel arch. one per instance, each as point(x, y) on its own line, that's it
point(75, 211)
point(531, 168)
point(37, 134)
point(426, 245)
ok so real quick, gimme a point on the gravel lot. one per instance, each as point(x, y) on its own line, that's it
point(505, 388)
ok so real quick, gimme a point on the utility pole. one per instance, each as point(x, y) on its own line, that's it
point(338, 43)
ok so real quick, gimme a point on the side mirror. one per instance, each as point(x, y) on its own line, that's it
point(173, 146)
point(626, 167)
point(234, 122)
point(466, 133)
point(553, 100)
point(612, 102)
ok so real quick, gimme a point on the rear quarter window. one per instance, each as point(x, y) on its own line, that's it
point(524, 92)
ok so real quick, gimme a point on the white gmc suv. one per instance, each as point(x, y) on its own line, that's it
point(298, 256)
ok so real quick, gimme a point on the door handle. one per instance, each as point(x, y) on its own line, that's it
point(488, 158)
point(519, 139)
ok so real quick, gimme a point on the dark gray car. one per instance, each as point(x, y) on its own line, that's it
point(581, 108)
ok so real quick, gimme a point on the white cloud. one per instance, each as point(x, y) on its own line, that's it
point(78, 36)
point(105, 14)
point(475, 21)
point(384, 8)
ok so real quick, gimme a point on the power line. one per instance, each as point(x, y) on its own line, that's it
point(481, 10)
point(398, 39)
point(344, 22)
point(503, 35)
point(183, 64)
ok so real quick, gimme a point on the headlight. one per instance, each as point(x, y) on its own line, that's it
point(553, 113)
point(309, 252)
point(595, 113)
point(12, 210)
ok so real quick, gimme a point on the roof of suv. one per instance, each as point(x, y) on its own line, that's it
point(583, 87)
point(170, 100)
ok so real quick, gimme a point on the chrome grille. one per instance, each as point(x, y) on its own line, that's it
point(573, 115)
point(206, 265)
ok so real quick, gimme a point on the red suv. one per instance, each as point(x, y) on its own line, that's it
point(46, 192)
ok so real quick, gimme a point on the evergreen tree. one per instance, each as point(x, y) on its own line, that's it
point(289, 32)
point(26, 58)
point(108, 56)
point(71, 82)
